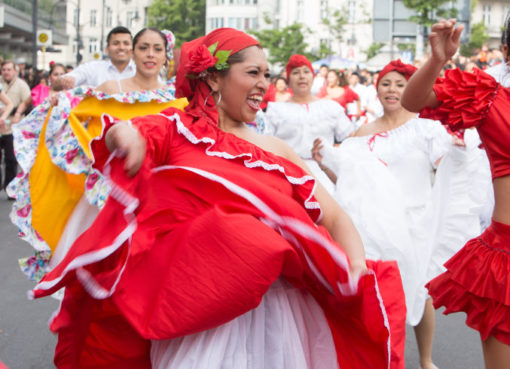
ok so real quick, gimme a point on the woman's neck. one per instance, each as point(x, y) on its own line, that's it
point(141, 83)
point(302, 98)
point(394, 119)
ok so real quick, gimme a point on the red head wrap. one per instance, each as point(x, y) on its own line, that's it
point(196, 59)
point(297, 60)
point(406, 70)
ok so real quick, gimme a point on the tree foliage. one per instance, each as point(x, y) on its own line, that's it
point(373, 49)
point(479, 36)
point(430, 11)
point(185, 18)
point(283, 43)
point(336, 24)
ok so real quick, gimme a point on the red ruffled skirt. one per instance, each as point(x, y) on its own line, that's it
point(477, 283)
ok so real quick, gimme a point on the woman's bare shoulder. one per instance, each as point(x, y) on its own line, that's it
point(109, 87)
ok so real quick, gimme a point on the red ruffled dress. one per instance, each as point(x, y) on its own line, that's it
point(477, 277)
point(347, 97)
point(194, 241)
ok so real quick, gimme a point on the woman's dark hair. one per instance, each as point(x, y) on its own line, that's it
point(116, 31)
point(54, 66)
point(146, 29)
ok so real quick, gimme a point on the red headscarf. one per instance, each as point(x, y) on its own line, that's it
point(297, 60)
point(407, 70)
point(196, 59)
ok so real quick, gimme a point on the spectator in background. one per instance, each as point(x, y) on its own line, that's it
point(338, 90)
point(319, 80)
point(501, 72)
point(355, 110)
point(119, 43)
point(69, 68)
point(19, 93)
point(282, 92)
point(45, 89)
point(22, 68)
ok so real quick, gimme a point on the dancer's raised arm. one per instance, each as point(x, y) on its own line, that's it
point(444, 42)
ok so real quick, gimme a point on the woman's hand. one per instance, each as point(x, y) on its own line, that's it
point(53, 99)
point(128, 143)
point(357, 268)
point(445, 39)
point(316, 151)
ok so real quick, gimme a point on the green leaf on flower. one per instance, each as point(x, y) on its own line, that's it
point(213, 47)
point(222, 56)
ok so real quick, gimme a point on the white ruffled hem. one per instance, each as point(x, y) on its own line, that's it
point(288, 330)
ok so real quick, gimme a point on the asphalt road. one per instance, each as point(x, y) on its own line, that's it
point(26, 343)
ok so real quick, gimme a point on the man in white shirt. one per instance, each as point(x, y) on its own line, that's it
point(119, 47)
point(501, 72)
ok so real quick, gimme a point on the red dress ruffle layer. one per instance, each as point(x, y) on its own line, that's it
point(465, 98)
point(194, 240)
point(476, 100)
point(477, 282)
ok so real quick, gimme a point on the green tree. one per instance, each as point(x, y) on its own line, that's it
point(336, 24)
point(477, 38)
point(185, 18)
point(373, 49)
point(427, 12)
point(283, 43)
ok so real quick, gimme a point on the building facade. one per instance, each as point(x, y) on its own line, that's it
point(91, 20)
point(263, 14)
point(493, 14)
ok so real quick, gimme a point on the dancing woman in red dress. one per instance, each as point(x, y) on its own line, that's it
point(477, 277)
point(216, 252)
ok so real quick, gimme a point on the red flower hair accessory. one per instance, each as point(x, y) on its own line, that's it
point(202, 58)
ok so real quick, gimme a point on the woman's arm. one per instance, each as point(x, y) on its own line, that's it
point(336, 221)
point(444, 42)
point(7, 108)
point(317, 156)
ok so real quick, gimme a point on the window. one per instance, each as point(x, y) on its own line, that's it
point(232, 22)
point(254, 23)
point(146, 16)
point(109, 17)
point(324, 9)
point(93, 17)
point(75, 17)
point(351, 11)
point(246, 23)
point(300, 10)
point(129, 19)
point(486, 14)
point(93, 45)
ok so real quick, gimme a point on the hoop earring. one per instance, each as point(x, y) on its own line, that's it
point(205, 101)
point(219, 100)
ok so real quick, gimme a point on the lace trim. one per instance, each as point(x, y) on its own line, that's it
point(182, 129)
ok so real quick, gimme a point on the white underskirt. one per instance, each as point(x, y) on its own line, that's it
point(288, 330)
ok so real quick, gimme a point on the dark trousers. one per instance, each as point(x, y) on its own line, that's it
point(11, 165)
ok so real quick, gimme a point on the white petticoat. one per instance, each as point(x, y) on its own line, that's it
point(288, 330)
point(419, 238)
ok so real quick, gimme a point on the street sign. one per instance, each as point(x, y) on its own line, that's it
point(44, 37)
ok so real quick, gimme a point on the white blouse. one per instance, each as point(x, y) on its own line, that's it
point(410, 153)
point(300, 124)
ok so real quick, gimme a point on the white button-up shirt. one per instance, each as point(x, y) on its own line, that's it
point(501, 74)
point(95, 73)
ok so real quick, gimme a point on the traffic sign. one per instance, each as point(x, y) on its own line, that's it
point(44, 37)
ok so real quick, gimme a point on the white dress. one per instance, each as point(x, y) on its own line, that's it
point(385, 183)
point(300, 124)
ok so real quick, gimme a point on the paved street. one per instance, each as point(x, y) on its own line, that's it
point(26, 343)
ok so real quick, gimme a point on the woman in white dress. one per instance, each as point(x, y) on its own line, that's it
point(304, 117)
point(385, 184)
